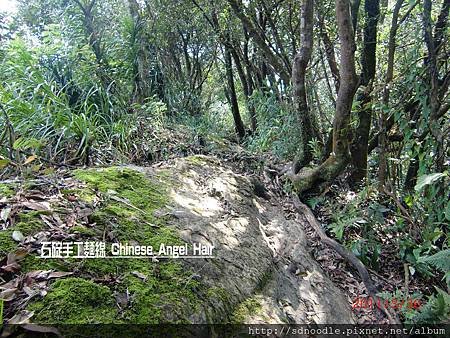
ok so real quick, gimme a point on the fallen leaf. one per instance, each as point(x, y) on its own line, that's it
point(17, 236)
point(30, 159)
point(121, 299)
point(13, 267)
point(37, 206)
point(18, 254)
point(22, 317)
point(139, 275)
point(59, 274)
point(30, 292)
point(4, 214)
point(11, 284)
point(85, 212)
point(71, 220)
point(71, 198)
point(8, 295)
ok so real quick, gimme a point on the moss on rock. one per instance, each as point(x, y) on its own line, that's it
point(76, 301)
point(248, 308)
point(167, 293)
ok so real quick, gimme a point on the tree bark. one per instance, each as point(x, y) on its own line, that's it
point(368, 60)
point(339, 158)
point(382, 169)
point(301, 61)
point(239, 125)
point(141, 65)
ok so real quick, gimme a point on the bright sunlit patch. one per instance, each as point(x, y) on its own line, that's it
point(8, 6)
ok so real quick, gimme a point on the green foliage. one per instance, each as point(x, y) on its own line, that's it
point(277, 127)
point(435, 311)
point(441, 261)
point(425, 180)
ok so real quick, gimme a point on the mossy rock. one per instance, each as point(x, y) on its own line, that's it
point(129, 199)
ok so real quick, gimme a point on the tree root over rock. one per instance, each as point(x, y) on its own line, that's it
point(348, 256)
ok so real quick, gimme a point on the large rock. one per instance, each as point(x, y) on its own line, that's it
point(262, 266)
point(260, 272)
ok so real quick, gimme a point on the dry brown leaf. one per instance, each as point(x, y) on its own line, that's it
point(59, 274)
point(14, 283)
point(22, 317)
point(30, 292)
point(58, 220)
point(13, 267)
point(17, 236)
point(85, 212)
point(71, 220)
point(37, 206)
point(30, 159)
point(4, 214)
point(139, 275)
point(47, 220)
point(17, 255)
point(8, 294)
point(71, 198)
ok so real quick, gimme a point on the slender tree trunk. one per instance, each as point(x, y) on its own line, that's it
point(239, 125)
point(245, 87)
point(368, 60)
point(382, 168)
point(433, 43)
point(258, 37)
point(301, 61)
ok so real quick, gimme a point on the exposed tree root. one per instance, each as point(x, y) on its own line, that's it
point(348, 256)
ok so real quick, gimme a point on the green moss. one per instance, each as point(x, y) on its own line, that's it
point(167, 295)
point(7, 190)
point(217, 293)
point(7, 244)
point(168, 292)
point(250, 307)
point(75, 301)
point(196, 160)
point(34, 262)
point(84, 231)
point(133, 198)
point(28, 223)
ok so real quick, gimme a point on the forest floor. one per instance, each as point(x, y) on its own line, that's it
point(36, 195)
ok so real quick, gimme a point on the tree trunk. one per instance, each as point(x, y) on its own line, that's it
point(141, 60)
point(239, 125)
point(299, 66)
point(382, 168)
point(368, 60)
point(339, 158)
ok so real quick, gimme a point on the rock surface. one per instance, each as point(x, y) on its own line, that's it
point(261, 259)
point(260, 270)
